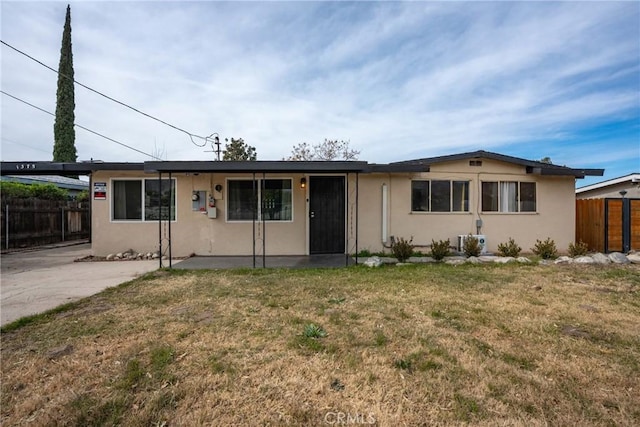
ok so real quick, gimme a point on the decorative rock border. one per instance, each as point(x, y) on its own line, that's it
point(596, 258)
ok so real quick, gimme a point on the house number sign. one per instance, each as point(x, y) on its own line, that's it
point(22, 166)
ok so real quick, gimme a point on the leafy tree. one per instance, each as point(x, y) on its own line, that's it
point(64, 135)
point(237, 149)
point(546, 160)
point(329, 149)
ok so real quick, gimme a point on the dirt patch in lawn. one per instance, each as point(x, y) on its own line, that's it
point(419, 345)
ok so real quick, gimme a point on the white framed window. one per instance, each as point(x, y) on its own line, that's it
point(268, 199)
point(143, 199)
point(508, 196)
point(439, 196)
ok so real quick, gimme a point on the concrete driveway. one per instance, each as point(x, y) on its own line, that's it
point(35, 281)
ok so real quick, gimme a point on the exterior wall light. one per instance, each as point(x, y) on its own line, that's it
point(303, 182)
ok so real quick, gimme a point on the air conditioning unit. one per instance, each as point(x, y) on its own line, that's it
point(482, 239)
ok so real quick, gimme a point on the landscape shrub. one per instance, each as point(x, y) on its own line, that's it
point(510, 249)
point(471, 246)
point(546, 249)
point(578, 249)
point(439, 249)
point(402, 249)
point(19, 190)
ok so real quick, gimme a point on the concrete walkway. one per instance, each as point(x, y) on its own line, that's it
point(38, 280)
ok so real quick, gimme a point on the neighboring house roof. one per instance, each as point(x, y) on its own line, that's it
point(532, 166)
point(632, 178)
point(58, 181)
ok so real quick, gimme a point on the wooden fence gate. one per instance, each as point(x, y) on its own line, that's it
point(33, 222)
point(609, 225)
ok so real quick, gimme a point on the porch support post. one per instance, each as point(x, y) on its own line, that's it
point(255, 212)
point(6, 220)
point(264, 226)
point(357, 212)
point(159, 223)
point(170, 199)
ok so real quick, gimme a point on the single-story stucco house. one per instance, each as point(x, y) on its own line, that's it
point(298, 208)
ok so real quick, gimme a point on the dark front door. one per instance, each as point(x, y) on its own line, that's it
point(326, 215)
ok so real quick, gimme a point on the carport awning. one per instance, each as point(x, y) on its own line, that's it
point(261, 166)
point(256, 166)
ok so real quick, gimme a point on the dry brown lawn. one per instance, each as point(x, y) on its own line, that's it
point(414, 345)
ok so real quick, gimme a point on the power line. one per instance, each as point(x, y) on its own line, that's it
point(81, 127)
point(191, 135)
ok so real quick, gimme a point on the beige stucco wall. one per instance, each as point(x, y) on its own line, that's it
point(194, 232)
point(555, 216)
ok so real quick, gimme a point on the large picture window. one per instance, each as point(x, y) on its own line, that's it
point(508, 196)
point(135, 199)
point(275, 196)
point(439, 196)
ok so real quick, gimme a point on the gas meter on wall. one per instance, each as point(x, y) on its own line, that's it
point(212, 211)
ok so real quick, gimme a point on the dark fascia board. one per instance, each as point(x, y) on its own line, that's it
point(255, 166)
point(397, 168)
point(55, 168)
point(532, 166)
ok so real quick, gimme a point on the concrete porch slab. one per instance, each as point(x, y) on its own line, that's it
point(224, 262)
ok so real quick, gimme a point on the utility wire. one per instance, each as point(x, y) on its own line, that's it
point(191, 135)
point(81, 127)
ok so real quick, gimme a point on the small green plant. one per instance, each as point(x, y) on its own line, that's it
point(440, 249)
point(510, 248)
point(471, 246)
point(546, 249)
point(578, 249)
point(404, 364)
point(312, 330)
point(402, 249)
point(380, 338)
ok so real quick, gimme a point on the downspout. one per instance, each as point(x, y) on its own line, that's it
point(385, 214)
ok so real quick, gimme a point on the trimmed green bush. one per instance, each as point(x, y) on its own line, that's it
point(440, 249)
point(402, 249)
point(471, 246)
point(19, 190)
point(578, 249)
point(510, 248)
point(546, 249)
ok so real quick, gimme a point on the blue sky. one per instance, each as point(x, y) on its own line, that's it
point(398, 80)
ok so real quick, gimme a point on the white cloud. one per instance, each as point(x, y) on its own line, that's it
point(399, 80)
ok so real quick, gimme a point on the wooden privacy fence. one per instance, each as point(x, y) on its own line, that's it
point(609, 225)
point(33, 222)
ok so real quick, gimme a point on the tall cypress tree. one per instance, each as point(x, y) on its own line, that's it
point(64, 148)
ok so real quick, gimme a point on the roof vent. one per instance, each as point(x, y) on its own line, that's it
point(475, 162)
